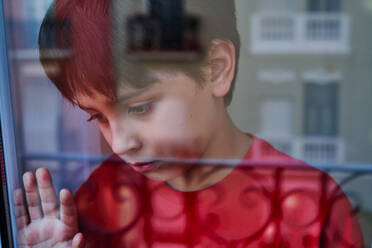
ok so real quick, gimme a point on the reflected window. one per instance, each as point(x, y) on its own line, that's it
point(324, 5)
point(321, 109)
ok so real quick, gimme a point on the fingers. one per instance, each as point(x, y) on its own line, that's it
point(32, 196)
point(20, 209)
point(78, 241)
point(68, 209)
point(40, 186)
point(47, 192)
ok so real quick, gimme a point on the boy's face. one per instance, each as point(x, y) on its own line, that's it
point(173, 118)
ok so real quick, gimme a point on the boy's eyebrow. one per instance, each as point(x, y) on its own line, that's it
point(121, 98)
point(127, 96)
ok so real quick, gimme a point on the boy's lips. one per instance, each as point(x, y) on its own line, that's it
point(145, 166)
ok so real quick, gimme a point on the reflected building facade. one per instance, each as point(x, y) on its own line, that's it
point(300, 75)
point(304, 81)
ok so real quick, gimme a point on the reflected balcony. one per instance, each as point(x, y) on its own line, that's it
point(313, 149)
point(312, 32)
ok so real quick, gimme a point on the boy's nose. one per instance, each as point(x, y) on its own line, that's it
point(124, 143)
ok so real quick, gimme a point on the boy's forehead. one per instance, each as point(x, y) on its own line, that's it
point(125, 90)
point(152, 79)
point(130, 85)
point(125, 93)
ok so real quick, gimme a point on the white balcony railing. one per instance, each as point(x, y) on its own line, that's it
point(300, 33)
point(317, 149)
point(322, 149)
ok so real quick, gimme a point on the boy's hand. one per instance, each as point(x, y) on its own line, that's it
point(45, 224)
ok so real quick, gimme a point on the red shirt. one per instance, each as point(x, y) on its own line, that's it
point(269, 200)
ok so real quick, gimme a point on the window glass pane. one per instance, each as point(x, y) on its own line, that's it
point(186, 123)
point(321, 106)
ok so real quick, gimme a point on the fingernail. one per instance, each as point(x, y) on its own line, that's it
point(26, 178)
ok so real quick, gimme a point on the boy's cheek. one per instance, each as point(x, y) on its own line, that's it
point(171, 122)
point(185, 148)
point(178, 128)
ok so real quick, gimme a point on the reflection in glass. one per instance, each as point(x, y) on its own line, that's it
point(303, 84)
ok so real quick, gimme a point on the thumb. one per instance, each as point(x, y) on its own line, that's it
point(78, 241)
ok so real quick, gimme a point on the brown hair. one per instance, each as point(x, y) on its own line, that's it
point(76, 46)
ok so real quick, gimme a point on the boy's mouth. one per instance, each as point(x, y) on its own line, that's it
point(145, 166)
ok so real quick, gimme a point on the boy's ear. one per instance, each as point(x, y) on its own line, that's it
point(221, 69)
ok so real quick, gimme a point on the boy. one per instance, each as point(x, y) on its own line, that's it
point(182, 175)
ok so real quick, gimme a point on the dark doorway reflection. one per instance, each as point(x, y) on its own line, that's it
point(165, 32)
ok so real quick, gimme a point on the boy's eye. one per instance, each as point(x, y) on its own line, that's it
point(98, 117)
point(140, 110)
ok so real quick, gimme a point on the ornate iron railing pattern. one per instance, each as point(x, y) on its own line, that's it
point(273, 196)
